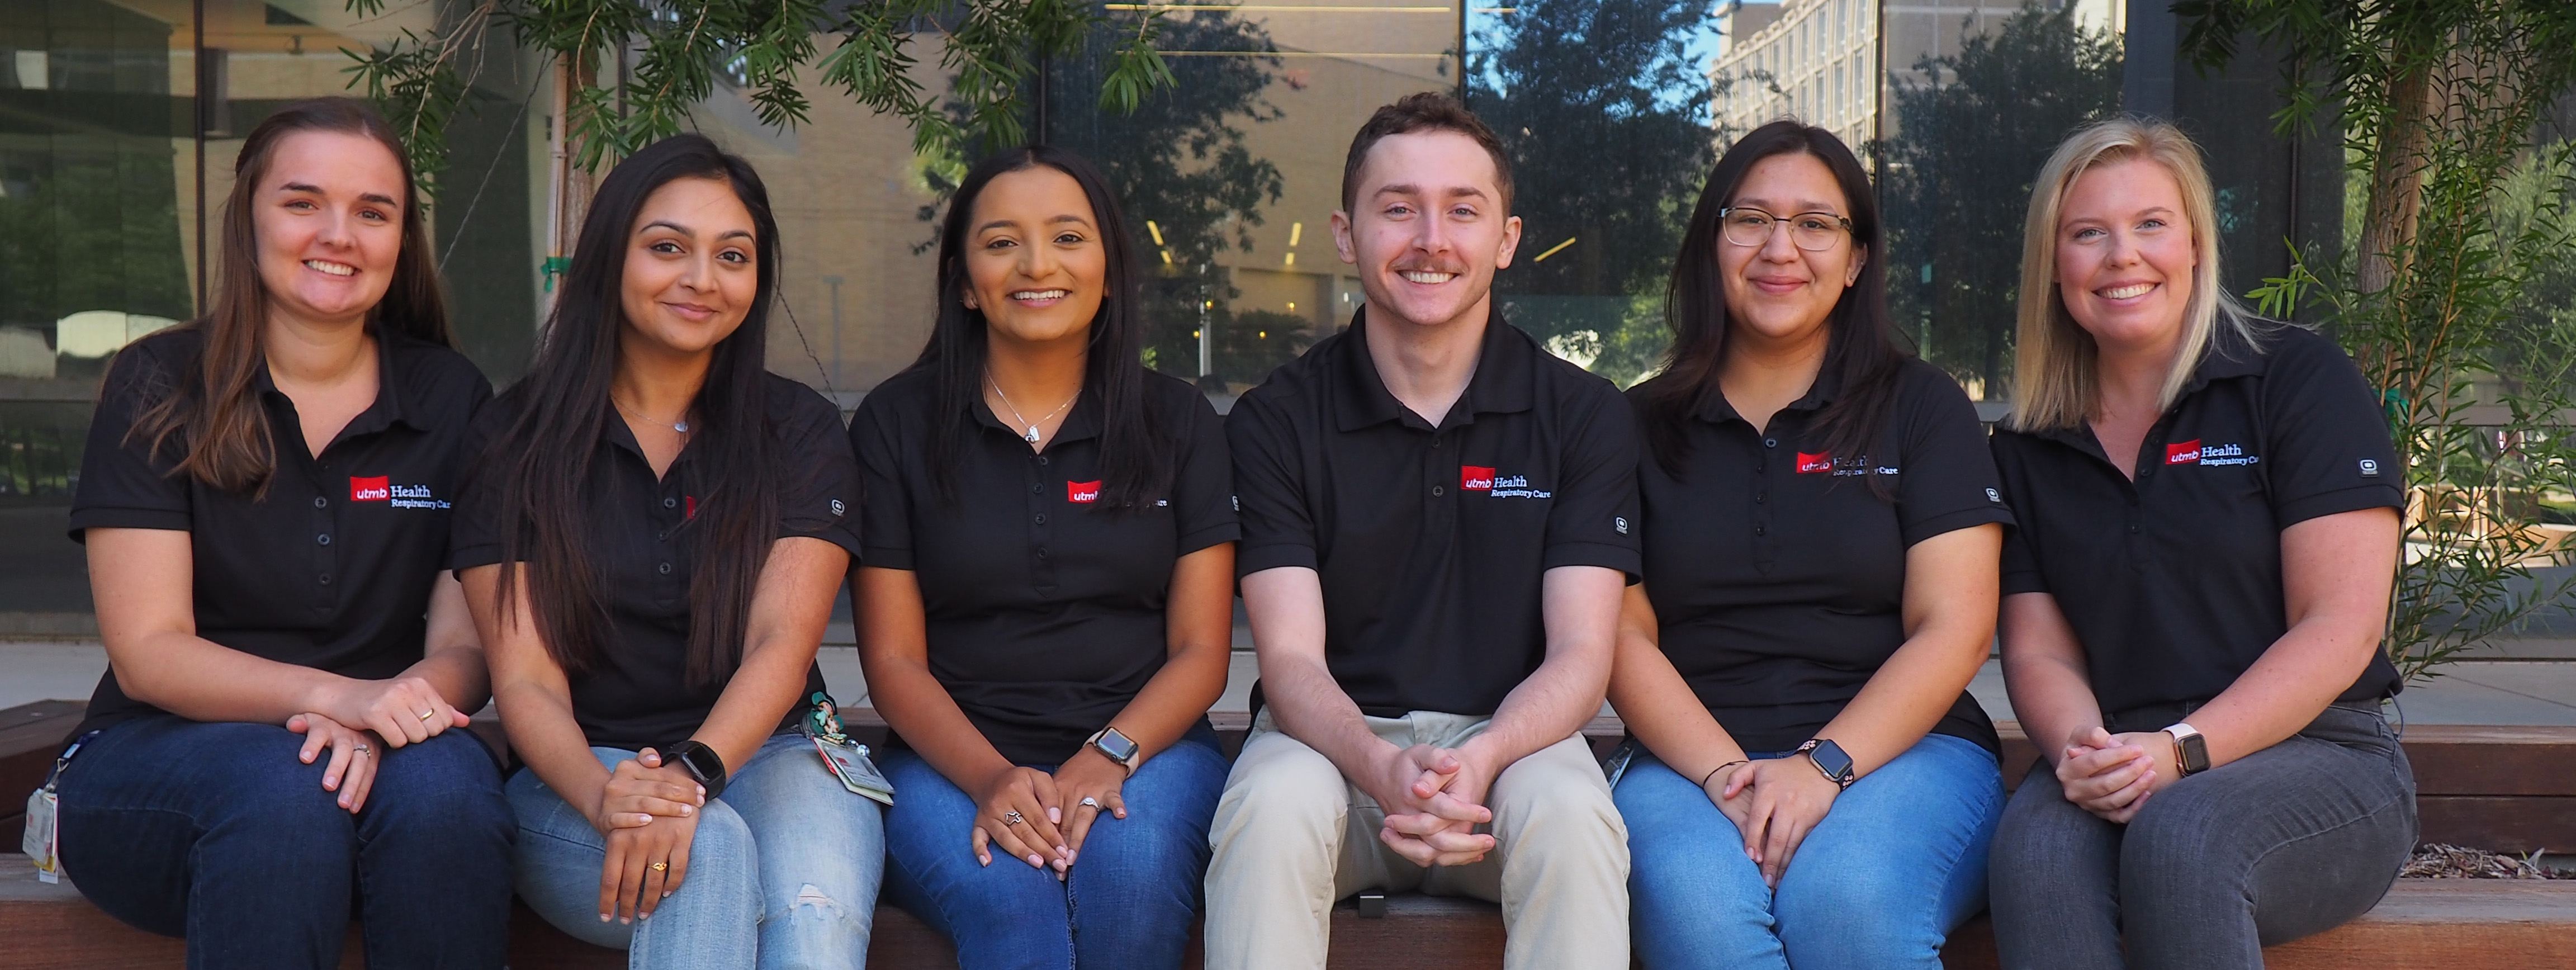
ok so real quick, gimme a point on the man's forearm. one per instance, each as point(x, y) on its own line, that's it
point(1308, 705)
point(1555, 702)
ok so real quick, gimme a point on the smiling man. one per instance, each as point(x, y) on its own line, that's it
point(1438, 518)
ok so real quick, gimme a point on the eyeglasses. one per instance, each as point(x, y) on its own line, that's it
point(1814, 232)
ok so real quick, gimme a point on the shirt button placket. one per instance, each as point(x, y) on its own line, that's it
point(326, 557)
point(1041, 569)
point(1763, 548)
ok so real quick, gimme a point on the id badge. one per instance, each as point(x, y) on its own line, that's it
point(849, 763)
point(42, 839)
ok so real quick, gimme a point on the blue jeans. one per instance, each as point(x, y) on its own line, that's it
point(1129, 903)
point(1897, 864)
point(218, 833)
point(783, 869)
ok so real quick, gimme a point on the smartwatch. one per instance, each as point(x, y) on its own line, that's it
point(1829, 758)
point(1117, 747)
point(701, 762)
point(2191, 751)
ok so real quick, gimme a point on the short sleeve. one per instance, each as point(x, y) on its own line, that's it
point(819, 496)
point(1948, 481)
point(2328, 440)
point(474, 530)
point(1278, 527)
point(1203, 486)
point(123, 483)
point(885, 498)
point(1593, 519)
point(2021, 573)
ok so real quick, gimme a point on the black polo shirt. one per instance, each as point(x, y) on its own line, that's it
point(2173, 583)
point(1044, 601)
point(1431, 541)
point(638, 694)
point(332, 567)
point(1778, 577)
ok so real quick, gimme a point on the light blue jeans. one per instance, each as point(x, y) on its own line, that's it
point(783, 870)
point(1897, 864)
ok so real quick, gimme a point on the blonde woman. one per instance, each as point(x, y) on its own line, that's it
point(2207, 510)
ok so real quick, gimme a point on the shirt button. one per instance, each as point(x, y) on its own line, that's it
point(1770, 442)
point(664, 536)
point(1041, 552)
point(323, 539)
point(1042, 459)
point(1435, 491)
point(326, 579)
point(670, 502)
point(320, 502)
point(664, 569)
point(1761, 496)
point(2133, 530)
point(1761, 530)
point(1041, 518)
point(1036, 489)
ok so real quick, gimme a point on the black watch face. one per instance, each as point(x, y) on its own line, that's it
point(701, 761)
point(1117, 746)
point(1830, 757)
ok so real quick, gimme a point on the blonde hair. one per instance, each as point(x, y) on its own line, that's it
point(2055, 384)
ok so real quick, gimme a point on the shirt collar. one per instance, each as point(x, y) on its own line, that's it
point(1505, 362)
point(1714, 408)
point(2227, 357)
point(393, 403)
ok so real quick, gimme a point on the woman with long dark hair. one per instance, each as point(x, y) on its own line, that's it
point(264, 500)
point(651, 541)
point(1821, 527)
point(1045, 601)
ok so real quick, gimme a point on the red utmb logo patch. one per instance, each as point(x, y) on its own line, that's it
point(2183, 453)
point(1815, 464)
point(377, 489)
point(1475, 478)
point(1082, 491)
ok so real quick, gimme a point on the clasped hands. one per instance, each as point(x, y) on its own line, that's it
point(648, 810)
point(358, 720)
point(1774, 803)
point(1434, 799)
point(1042, 818)
point(2112, 775)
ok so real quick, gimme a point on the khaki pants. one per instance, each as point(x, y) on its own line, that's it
point(1292, 836)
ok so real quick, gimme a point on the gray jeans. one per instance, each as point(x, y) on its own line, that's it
point(2292, 840)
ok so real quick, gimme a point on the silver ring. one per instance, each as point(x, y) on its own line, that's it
point(1090, 802)
point(361, 748)
point(1013, 818)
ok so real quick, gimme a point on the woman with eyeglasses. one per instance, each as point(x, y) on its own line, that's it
point(1808, 782)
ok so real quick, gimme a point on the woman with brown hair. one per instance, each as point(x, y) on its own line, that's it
point(264, 498)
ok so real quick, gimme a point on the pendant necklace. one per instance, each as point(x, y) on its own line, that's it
point(1031, 435)
point(681, 426)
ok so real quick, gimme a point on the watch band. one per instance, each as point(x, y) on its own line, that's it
point(1842, 777)
point(701, 762)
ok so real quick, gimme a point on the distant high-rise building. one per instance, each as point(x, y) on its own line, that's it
point(1818, 60)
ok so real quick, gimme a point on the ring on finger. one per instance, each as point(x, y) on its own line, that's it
point(660, 867)
point(1089, 802)
point(1012, 817)
point(426, 715)
point(362, 748)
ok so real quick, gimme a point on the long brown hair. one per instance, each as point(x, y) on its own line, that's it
point(214, 412)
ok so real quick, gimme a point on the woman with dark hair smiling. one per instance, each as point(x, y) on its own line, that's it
point(1046, 599)
point(1821, 532)
point(263, 501)
point(651, 542)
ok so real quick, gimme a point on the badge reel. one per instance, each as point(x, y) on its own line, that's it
point(845, 759)
point(42, 840)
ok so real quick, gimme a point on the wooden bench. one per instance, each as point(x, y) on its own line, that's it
point(2505, 788)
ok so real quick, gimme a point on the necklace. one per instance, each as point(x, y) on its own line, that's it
point(1031, 435)
point(681, 426)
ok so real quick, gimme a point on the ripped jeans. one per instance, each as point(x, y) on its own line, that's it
point(783, 870)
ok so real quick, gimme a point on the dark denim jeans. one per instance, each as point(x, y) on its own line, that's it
point(1129, 904)
point(2295, 839)
point(216, 832)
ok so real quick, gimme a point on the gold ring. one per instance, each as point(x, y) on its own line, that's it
point(426, 715)
point(660, 866)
